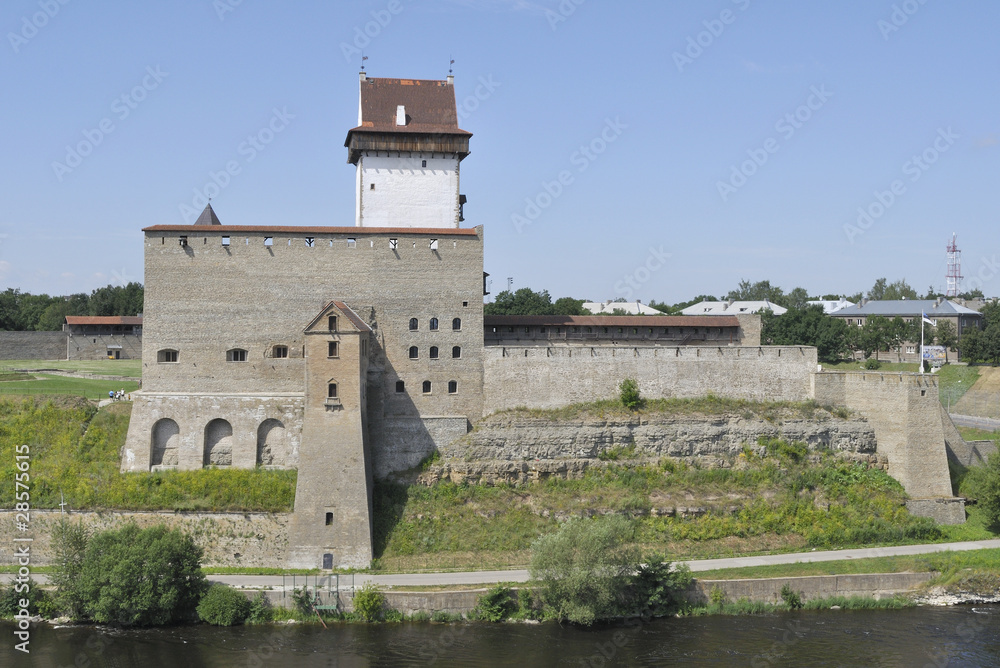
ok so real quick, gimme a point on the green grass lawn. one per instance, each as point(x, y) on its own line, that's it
point(954, 380)
point(130, 368)
point(49, 384)
point(885, 366)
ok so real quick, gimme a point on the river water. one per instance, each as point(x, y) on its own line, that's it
point(913, 638)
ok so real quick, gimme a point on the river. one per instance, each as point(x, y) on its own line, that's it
point(912, 638)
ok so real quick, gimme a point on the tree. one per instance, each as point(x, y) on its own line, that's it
point(759, 291)
point(974, 293)
point(796, 299)
point(875, 335)
point(140, 577)
point(983, 484)
point(569, 306)
point(896, 332)
point(69, 545)
point(807, 327)
point(878, 290)
point(523, 302)
point(223, 606)
point(585, 568)
point(896, 290)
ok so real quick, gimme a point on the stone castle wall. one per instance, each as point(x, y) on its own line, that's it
point(537, 377)
point(905, 410)
point(33, 345)
point(95, 346)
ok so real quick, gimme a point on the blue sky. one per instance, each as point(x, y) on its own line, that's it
point(698, 143)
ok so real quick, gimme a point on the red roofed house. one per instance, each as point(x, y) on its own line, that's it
point(93, 337)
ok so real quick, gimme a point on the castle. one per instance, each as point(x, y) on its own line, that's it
point(356, 351)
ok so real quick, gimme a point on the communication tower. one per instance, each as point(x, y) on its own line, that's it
point(954, 276)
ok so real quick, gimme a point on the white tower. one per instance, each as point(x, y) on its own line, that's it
point(407, 149)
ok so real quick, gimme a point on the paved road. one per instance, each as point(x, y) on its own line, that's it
point(491, 577)
point(975, 421)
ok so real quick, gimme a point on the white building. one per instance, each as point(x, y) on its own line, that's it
point(733, 308)
point(831, 306)
point(630, 308)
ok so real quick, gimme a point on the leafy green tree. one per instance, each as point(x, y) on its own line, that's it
point(223, 606)
point(974, 293)
point(628, 391)
point(875, 335)
point(585, 568)
point(758, 291)
point(945, 335)
point(896, 290)
point(524, 301)
point(798, 298)
point(140, 577)
point(877, 291)
point(807, 327)
point(569, 306)
point(983, 484)
point(69, 545)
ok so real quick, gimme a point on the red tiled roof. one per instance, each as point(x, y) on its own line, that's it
point(352, 316)
point(104, 320)
point(299, 229)
point(612, 320)
point(430, 106)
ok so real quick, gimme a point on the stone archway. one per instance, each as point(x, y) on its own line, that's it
point(271, 443)
point(164, 441)
point(218, 443)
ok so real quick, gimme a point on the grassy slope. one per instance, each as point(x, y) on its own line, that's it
point(75, 452)
point(130, 368)
point(52, 385)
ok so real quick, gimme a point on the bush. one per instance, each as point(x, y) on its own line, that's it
point(983, 484)
point(369, 603)
point(496, 605)
point(40, 602)
point(790, 597)
point(872, 364)
point(629, 394)
point(585, 568)
point(261, 611)
point(69, 544)
point(141, 577)
point(223, 606)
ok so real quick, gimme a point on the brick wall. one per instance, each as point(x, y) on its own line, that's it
point(33, 345)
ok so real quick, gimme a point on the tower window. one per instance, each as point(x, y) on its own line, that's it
point(166, 356)
point(413, 324)
point(268, 241)
point(413, 352)
point(332, 349)
point(393, 244)
point(452, 387)
point(183, 241)
point(331, 322)
point(427, 387)
point(352, 243)
point(434, 324)
point(423, 163)
point(434, 352)
point(400, 386)
point(456, 352)
point(434, 244)
point(225, 241)
point(329, 519)
point(236, 355)
point(310, 242)
point(331, 391)
point(456, 323)
point(279, 352)
point(371, 187)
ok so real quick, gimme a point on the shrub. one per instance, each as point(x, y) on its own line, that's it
point(305, 601)
point(141, 577)
point(369, 603)
point(983, 484)
point(873, 364)
point(717, 597)
point(261, 611)
point(790, 597)
point(628, 392)
point(496, 605)
point(40, 602)
point(69, 544)
point(585, 568)
point(223, 606)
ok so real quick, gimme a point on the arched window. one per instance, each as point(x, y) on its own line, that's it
point(456, 352)
point(413, 352)
point(427, 387)
point(452, 387)
point(218, 443)
point(456, 323)
point(413, 324)
point(434, 352)
point(166, 355)
point(236, 355)
point(434, 324)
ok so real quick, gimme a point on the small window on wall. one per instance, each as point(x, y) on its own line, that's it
point(456, 323)
point(400, 386)
point(329, 522)
point(352, 243)
point(434, 244)
point(413, 352)
point(413, 324)
point(423, 163)
point(456, 352)
point(236, 355)
point(333, 349)
point(279, 352)
point(452, 387)
point(427, 387)
point(225, 241)
point(183, 241)
point(434, 352)
point(310, 242)
point(166, 356)
point(371, 186)
point(434, 324)
point(331, 323)
point(393, 244)
point(331, 391)
point(268, 241)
